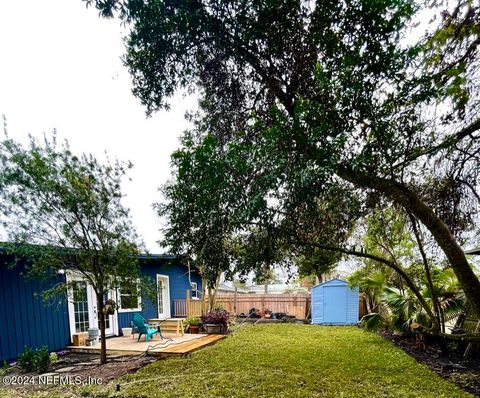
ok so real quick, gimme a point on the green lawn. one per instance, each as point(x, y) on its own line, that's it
point(290, 361)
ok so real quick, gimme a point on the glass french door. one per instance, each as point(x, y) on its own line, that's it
point(80, 302)
point(85, 314)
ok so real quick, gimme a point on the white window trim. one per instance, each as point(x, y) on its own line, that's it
point(194, 291)
point(123, 310)
point(75, 276)
point(167, 302)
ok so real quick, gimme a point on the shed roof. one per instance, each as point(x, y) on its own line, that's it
point(334, 281)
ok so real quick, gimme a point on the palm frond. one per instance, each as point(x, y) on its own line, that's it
point(373, 321)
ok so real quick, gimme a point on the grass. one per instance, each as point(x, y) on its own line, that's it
point(289, 360)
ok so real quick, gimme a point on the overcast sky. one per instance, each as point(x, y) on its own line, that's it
point(61, 68)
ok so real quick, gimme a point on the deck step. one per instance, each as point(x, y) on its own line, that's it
point(188, 347)
point(169, 325)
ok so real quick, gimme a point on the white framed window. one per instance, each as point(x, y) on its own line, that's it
point(194, 290)
point(129, 299)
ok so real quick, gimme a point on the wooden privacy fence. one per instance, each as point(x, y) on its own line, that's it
point(298, 305)
point(293, 304)
point(362, 305)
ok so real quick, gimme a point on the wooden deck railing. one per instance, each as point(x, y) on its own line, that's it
point(187, 308)
point(180, 308)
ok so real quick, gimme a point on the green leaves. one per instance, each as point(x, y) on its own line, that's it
point(294, 94)
point(197, 204)
point(64, 211)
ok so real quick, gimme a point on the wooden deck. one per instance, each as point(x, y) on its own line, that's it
point(179, 345)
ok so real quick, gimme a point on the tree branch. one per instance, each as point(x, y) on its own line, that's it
point(446, 143)
point(388, 263)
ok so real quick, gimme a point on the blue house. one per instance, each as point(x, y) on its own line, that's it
point(334, 303)
point(27, 320)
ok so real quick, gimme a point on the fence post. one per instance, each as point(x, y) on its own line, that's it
point(308, 304)
point(188, 304)
point(235, 300)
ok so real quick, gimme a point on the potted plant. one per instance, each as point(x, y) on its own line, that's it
point(109, 307)
point(215, 321)
point(193, 324)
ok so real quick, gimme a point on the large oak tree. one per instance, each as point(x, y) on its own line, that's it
point(327, 90)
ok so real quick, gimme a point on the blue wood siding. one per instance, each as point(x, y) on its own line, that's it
point(27, 320)
point(352, 305)
point(340, 308)
point(178, 285)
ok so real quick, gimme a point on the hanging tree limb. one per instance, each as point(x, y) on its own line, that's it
point(388, 263)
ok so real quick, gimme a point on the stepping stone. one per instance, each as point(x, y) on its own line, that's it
point(65, 370)
point(51, 374)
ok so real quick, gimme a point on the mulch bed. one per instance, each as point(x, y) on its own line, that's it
point(84, 366)
point(453, 367)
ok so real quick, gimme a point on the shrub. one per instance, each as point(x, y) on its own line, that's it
point(4, 369)
point(53, 357)
point(39, 359)
point(216, 317)
point(26, 359)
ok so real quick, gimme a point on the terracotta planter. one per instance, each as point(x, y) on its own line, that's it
point(211, 328)
point(193, 329)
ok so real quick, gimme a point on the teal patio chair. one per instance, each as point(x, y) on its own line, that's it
point(144, 328)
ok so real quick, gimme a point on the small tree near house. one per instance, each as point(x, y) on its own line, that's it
point(63, 211)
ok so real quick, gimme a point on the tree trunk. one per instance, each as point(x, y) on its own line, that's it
point(204, 294)
point(266, 280)
point(210, 299)
point(101, 326)
point(442, 235)
point(436, 304)
point(266, 274)
point(367, 303)
point(213, 295)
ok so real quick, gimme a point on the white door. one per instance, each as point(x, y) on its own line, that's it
point(163, 296)
point(109, 320)
point(80, 307)
point(83, 309)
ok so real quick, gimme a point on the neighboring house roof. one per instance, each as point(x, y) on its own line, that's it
point(473, 251)
point(278, 288)
point(223, 287)
point(147, 256)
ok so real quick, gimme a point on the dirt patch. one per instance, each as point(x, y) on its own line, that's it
point(452, 366)
point(77, 368)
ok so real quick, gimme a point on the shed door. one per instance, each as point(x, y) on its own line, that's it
point(335, 304)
